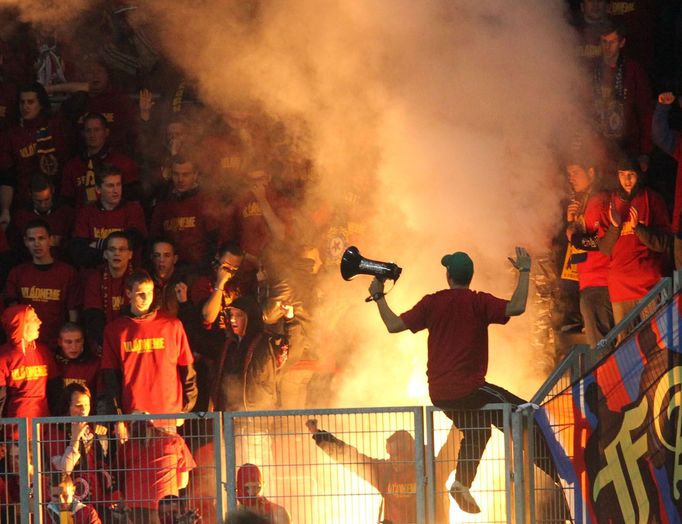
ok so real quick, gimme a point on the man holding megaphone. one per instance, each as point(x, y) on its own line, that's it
point(457, 319)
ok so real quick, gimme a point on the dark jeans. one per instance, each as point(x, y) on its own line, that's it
point(595, 307)
point(476, 430)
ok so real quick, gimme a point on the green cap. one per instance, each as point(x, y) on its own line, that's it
point(460, 266)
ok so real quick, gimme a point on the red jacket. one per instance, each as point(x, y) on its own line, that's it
point(636, 256)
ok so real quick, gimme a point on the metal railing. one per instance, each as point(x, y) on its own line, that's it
point(332, 466)
point(580, 360)
point(166, 463)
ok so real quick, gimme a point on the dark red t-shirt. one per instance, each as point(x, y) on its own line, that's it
point(60, 219)
point(94, 293)
point(147, 351)
point(80, 371)
point(593, 271)
point(51, 289)
point(186, 220)
point(25, 375)
point(78, 179)
point(38, 146)
point(152, 469)
point(245, 224)
point(120, 112)
point(457, 321)
point(95, 223)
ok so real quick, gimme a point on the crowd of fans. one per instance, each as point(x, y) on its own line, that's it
point(156, 256)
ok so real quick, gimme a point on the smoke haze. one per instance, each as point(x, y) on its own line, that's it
point(440, 115)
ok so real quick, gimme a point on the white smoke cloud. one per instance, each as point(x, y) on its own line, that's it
point(443, 114)
point(446, 111)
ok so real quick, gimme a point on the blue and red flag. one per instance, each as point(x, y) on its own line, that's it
point(616, 434)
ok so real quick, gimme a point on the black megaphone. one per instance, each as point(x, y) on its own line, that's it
point(353, 264)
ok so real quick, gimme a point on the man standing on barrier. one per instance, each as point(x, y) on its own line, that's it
point(457, 319)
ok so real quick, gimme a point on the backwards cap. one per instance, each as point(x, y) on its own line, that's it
point(460, 266)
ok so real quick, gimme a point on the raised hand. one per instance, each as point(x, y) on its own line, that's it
point(522, 262)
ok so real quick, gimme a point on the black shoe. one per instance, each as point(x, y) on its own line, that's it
point(463, 497)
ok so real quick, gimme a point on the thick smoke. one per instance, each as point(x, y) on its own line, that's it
point(439, 118)
point(48, 13)
point(442, 115)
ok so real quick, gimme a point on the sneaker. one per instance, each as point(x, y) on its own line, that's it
point(463, 497)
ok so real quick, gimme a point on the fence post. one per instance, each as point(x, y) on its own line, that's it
point(423, 481)
point(220, 475)
point(517, 473)
point(24, 481)
point(231, 459)
point(430, 466)
point(37, 458)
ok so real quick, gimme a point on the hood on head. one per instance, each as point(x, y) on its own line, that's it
point(13, 320)
point(248, 305)
point(247, 473)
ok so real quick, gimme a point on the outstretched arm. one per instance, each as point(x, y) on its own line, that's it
point(393, 322)
point(517, 304)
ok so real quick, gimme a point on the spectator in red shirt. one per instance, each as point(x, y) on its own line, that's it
point(166, 278)
point(101, 97)
point(147, 364)
point(622, 98)
point(184, 216)
point(258, 216)
point(43, 205)
point(250, 495)
point(26, 366)
point(37, 145)
point(49, 285)
point(583, 214)
point(104, 289)
point(635, 234)
point(74, 363)
point(110, 213)
point(457, 319)
point(78, 180)
point(156, 463)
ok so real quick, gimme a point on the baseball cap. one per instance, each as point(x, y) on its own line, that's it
point(460, 266)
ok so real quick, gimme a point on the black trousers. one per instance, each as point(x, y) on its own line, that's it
point(476, 429)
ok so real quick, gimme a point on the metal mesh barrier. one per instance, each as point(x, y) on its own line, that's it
point(15, 471)
point(490, 486)
point(132, 468)
point(332, 466)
